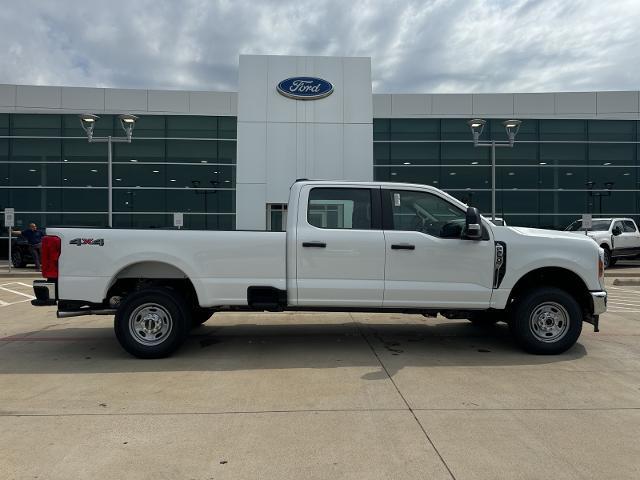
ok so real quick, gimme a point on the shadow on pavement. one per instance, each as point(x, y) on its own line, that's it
point(277, 346)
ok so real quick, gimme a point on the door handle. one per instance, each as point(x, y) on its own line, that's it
point(403, 246)
point(314, 244)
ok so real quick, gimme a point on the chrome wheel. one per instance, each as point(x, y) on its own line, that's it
point(549, 322)
point(150, 324)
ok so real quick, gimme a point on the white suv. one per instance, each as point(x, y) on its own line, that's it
point(618, 236)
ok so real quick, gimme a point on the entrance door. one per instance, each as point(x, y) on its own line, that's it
point(340, 247)
point(428, 264)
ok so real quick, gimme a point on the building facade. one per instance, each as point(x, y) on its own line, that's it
point(227, 159)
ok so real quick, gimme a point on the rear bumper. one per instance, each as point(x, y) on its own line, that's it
point(599, 302)
point(45, 293)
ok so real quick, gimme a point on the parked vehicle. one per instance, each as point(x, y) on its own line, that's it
point(382, 247)
point(619, 237)
point(21, 254)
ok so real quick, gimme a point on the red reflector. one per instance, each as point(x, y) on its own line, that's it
point(50, 255)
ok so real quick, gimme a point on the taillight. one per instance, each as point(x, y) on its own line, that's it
point(600, 268)
point(50, 256)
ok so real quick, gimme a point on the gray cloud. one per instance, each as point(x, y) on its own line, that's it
point(416, 46)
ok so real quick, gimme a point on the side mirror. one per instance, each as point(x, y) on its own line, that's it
point(473, 225)
point(616, 231)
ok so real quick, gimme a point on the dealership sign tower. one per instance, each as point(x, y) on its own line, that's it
point(282, 135)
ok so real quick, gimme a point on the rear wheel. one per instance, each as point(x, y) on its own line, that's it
point(546, 321)
point(607, 256)
point(152, 323)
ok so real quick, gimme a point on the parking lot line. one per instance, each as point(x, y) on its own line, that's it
point(2, 287)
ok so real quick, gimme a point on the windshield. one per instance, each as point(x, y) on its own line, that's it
point(597, 226)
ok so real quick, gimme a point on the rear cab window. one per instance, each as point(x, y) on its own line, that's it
point(341, 208)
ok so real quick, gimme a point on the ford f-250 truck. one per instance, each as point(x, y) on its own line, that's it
point(375, 247)
point(619, 237)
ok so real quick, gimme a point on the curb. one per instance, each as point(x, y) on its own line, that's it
point(621, 274)
point(628, 282)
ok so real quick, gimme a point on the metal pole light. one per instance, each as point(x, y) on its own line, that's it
point(511, 127)
point(127, 122)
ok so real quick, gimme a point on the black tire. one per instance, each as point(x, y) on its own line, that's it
point(612, 262)
point(17, 261)
point(532, 313)
point(166, 326)
point(607, 256)
point(200, 315)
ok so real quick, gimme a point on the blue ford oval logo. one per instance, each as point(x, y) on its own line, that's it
point(305, 88)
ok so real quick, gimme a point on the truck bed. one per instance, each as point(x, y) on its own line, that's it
point(221, 265)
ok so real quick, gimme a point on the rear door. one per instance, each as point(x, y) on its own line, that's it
point(630, 237)
point(340, 248)
point(428, 264)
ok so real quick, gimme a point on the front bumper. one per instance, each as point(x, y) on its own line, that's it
point(599, 302)
point(45, 292)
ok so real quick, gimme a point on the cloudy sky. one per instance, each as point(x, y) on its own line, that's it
point(415, 46)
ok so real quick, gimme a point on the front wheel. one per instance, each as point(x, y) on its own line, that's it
point(607, 257)
point(546, 321)
point(152, 323)
point(17, 261)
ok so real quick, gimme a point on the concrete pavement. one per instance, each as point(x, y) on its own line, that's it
point(302, 395)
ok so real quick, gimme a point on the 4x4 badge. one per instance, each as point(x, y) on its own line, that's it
point(87, 241)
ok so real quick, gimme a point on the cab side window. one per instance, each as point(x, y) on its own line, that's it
point(617, 225)
point(426, 213)
point(629, 226)
point(340, 208)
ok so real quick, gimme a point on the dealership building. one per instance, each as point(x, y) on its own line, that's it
point(226, 160)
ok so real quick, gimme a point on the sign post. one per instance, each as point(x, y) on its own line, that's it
point(178, 220)
point(9, 220)
point(587, 222)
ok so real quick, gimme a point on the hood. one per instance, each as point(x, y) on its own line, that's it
point(540, 232)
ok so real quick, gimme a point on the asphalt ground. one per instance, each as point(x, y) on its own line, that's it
point(316, 396)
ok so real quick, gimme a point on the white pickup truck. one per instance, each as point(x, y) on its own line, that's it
point(619, 237)
point(375, 247)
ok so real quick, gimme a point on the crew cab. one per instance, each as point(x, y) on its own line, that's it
point(348, 246)
point(619, 237)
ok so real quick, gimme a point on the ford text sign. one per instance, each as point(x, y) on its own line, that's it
point(305, 88)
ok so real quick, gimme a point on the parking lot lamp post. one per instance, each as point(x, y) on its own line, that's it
point(607, 193)
point(511, 127)
point(127, 122)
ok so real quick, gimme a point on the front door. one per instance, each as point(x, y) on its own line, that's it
point(339, 247)
point(428, 264)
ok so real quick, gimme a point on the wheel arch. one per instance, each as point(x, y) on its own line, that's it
point(557, 277)
point(150, 273)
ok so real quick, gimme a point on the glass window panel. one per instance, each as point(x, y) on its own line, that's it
point(22, 220)
point(189, 200)
point(563, 130)
point(221, 201)
point(35, 150)
point(457, 129)
point(83, 151)
point(534, 221)
point(474, 198)
point(84, 200)
point(4, 199)
point(619, 203)
point(34, 174)
point(618, 178)
point(465, 177)
point(4, 124)
point(103, 127)
point(140, 200)
point(227, 127)
point(517, 177)
point(563, 153)
point(227, 152)
point(79, 220)
point(415, 129)
point(381, 153)
point(381, 128)
point(4, 174)
point(464, 154)
point(83, 175)
point(612, 130)
point(612, 154)
point(422, 175)
point(563, 202)
point(520, 154)
point(137, 220)
point(518, 202)
point(414, 154)
point(194, 151)
point(139, 175)
point(145, 126)
point(340, 208)
point(36, 125)
point(226, 222)
point(139, 151)
point(563, 178)
point(190, 126)
point(203, 176)
point(35, 199)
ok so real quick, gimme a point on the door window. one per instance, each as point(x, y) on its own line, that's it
point(341, 208)
point(618, 224)
point(629, 226)
point(426, 213)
